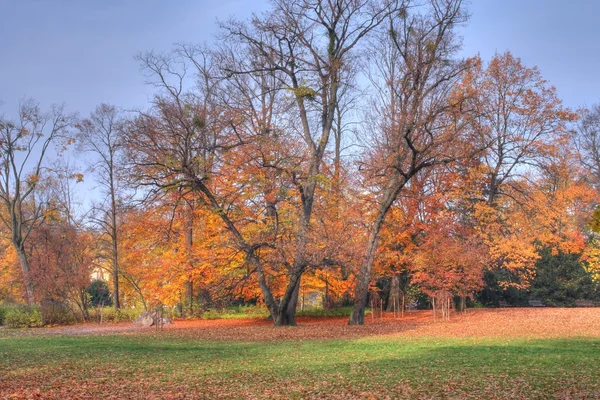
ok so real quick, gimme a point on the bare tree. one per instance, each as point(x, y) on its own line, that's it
point(101, 136)
point(24, 145)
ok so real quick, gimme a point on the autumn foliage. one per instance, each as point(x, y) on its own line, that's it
point(315, 156)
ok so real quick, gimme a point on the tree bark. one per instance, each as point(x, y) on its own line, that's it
point(115, 276)
point(361, 292)
point(113, 234)
point(189, 295)
point(293, 304)
point(362, 283)
point(29, 293)
point(462, 304)
point(189, 242)
point(394, 295)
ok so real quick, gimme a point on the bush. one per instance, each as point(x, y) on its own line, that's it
point(57, 313)
point(109, 314)
point(322, 312)
point(23, 317)
point(236, 312)
point(3, 309)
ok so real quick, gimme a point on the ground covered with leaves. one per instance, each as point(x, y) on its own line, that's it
point(490, 354)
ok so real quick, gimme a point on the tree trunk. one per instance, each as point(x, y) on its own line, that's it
point(115, 276)
point(115, 247)
point(29, 295)
point(285, 314)
point(361, 291)
point(289, 301)
point(84, 305)
point(293, 304)
point(189, 295)
point(326, 303)
point(461, 305)
point(394, 295)
point(189, 242)
point(395, 184)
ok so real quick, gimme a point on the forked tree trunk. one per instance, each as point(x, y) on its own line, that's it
point(293, 304)
point(284, 313)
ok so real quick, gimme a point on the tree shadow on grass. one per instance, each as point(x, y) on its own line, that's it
point(392, 367)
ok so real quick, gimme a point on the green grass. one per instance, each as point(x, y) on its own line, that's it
point(397, 367)
point(236, 312)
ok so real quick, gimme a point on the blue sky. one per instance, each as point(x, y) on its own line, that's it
point(561, 37)
point(81, 52)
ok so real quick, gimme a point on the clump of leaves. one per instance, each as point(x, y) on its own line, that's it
point(304, 92)
point(199, 122)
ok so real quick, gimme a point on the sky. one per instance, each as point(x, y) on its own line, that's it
point(561, 38)
point(81, 52)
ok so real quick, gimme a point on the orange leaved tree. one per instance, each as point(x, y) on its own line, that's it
point(416, 122)
point(252, 140)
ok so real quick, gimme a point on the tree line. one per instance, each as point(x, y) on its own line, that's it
point(322, 145)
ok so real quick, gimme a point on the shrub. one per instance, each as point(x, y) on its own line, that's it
point(57, 313)
point(322, 312)
point(109, 314)
point(3, 309)
point(23, 317)
point(236, 312)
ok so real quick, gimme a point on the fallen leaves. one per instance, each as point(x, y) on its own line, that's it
point(495, 354)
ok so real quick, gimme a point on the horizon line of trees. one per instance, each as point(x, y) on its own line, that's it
point(321, 146)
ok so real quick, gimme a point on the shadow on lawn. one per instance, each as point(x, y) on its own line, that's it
point(384, 366)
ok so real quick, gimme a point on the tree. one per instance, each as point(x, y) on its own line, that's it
point(61, 261)
point(99, 294)
point(101, 135)
point(524, 122)
point(588, 141)
point(24, 146)
point(520, 115)
point(309, 44)
point(267, 122)
point(415, 117)
point(561, 279)
point(450, 262)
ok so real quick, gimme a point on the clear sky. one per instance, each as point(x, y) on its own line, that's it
point(561, 37)
point(81, 52)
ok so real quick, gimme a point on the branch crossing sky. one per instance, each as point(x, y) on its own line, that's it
point(82, 52)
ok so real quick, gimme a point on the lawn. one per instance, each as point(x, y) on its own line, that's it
point(483, 355)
